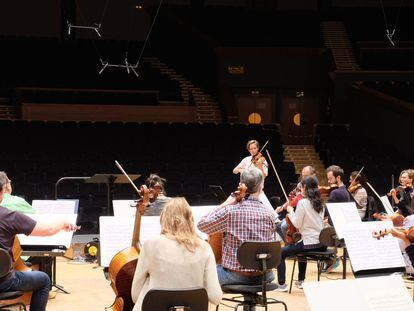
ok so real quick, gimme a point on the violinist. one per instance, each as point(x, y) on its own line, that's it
point(247, 220)
point(256, 159)
point(12, 223)
point(308, 218)
point(402, 195)
point(158, 198)
point(359, 193)
point(335, 176)
point(294, 197)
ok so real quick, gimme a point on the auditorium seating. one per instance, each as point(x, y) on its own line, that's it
point(190, 156)
point(338, 144)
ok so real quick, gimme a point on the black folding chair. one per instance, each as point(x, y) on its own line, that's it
point(328, 238)
point(192, 299)
point(5, 266)
point(260, 256)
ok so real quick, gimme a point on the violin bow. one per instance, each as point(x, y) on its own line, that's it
point(267, 141)
point(277, 175)
point(357, 175)
point(126, 175)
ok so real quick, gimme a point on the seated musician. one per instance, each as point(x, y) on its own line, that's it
point(296, 196)
point(402, 195)
point(406, 242)
point(238, 221)
point(12, 202)
point(308, 219)
point(335, 176)
point(158, 198)
point(12, 223)
point(177, 258)
point(358, 192)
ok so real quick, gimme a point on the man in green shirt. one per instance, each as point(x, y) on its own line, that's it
point(12, 202)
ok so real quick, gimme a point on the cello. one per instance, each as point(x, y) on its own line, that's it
point(216, 239)
point(122, 266)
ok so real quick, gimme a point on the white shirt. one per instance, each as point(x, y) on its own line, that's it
point(247, 161)
point(307, 221)
point(164, 264)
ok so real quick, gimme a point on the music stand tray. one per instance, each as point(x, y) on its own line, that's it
point(109, 180)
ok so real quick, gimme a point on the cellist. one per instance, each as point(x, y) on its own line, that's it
point(12, 223)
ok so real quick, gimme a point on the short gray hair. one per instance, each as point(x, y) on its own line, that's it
point(3, 179)
point(252, 177)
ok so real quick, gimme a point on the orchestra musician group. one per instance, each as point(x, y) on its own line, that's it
point(179, 258)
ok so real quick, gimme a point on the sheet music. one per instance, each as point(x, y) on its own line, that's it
point(62, 238)
point(387, 205)
point(343, 214)
point(56, 206)
point(368, 253)
point(124, 208)
point(116, 234)
point(385, 293)
point(198, 212)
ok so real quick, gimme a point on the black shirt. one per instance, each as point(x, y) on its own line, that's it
point(12, 223)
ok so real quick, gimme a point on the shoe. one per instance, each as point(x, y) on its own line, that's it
point(281, 288)
point(52, 295)
point(299, 284)
point(332, 266)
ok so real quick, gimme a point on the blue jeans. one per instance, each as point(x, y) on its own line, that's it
point(36, 281)
point(289, 251)
point(281, 229)
point(228, 277)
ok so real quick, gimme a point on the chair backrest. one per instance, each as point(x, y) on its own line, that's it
point(192, 299)
point(5, 262)
point(250, 254)
point(371, 208)
point(328, 237)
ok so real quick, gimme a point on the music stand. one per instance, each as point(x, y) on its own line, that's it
point(110, 180)
point(218, 193)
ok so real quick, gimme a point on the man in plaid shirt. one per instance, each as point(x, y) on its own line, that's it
point(247, 220)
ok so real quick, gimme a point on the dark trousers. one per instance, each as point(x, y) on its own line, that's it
point(36, 281)
point(289, 251)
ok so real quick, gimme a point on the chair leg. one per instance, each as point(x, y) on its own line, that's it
point(319, 265)
point(293, 272)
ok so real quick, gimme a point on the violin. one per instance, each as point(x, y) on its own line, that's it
point(292, 233)
point(327, 189)
point(258, 159)
point(409, 234)
point(353, 188)
point(397, 219)
point(241, 193)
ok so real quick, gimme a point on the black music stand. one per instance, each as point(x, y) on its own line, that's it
point(110, 180)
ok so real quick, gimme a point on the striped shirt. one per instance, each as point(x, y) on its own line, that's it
point(249, 220)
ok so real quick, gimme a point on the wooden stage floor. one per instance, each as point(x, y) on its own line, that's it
point(89, 290)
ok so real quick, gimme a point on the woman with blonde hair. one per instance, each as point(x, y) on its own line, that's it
point(178, 258)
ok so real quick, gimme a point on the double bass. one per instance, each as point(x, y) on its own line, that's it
point(123, 264)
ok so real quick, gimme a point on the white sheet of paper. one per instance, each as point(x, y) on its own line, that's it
point(198, 212)
point(55, 206)
point(116, 234)
point(368, 253)
point(387, 205)
point(124, 208)
point(60, 239)
point(343, 214)
point(385, 293)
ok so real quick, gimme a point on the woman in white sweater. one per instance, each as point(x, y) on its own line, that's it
point(177, 258)
point(308, 219)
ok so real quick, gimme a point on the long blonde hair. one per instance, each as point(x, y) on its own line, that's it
point(177, 223)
